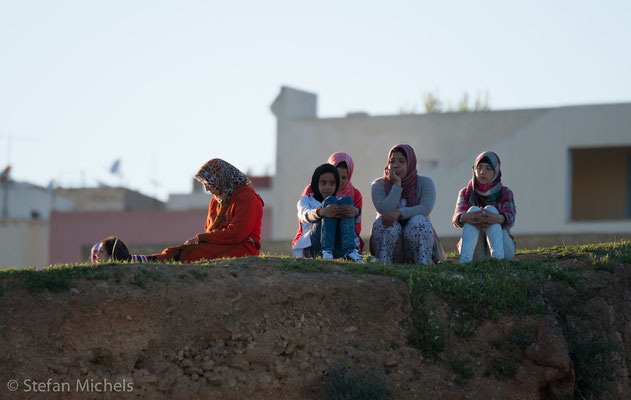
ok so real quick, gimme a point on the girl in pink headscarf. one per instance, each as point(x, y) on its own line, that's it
point(345, 166)
point(403, 231)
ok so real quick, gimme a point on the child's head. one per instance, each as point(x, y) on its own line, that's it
point(345, 166)
point(111, 248)
point(325, 182)
point(104, 249)
point(486, 168)
point(484, 173)
point(342, 170)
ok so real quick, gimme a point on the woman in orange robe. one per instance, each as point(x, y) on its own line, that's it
point(233, 225)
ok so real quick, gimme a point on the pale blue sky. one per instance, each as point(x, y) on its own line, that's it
point(166, 85)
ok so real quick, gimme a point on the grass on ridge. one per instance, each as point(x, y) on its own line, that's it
point(617, 251)
point(57, 278)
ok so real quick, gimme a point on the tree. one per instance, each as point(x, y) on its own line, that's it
point(478, 105)
point(433, 104)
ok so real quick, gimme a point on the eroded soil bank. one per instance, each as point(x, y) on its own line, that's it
point(259, 328)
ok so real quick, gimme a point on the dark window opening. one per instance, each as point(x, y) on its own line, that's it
point(601, 183)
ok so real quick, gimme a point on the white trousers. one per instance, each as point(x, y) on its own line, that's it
point(499, 242)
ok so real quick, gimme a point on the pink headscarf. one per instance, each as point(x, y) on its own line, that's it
point(409, 182)
point(335, 159)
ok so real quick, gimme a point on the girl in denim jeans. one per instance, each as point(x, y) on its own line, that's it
point(326, 223)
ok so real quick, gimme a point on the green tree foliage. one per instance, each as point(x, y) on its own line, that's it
point(433, 104)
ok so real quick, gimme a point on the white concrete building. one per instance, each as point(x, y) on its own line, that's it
point(109, 198)
point(24, 212)
point(569, 167)
point(27, 201)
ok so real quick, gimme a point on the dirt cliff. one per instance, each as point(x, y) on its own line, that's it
point(285, 328)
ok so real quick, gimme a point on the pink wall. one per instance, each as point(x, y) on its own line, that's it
point(71, 230)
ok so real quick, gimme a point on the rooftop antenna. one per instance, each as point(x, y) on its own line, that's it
point(9, 137)
point(154, 181)
point(5, 179)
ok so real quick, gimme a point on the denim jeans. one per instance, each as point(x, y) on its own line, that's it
point(333, 234)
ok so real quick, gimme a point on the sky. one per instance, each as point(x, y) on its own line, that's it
point(163, 86)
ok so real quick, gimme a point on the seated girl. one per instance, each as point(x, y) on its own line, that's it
point(403, 231)
point(345, 166)
point(485, 211)
point(325, 222)
point(233, 225)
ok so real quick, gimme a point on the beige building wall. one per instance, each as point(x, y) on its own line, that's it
point(188, 201)
point(23, 243)
point(109, 199)
point(533, 145)
point(24, 233)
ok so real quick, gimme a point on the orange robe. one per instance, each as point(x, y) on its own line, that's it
point(237, 232)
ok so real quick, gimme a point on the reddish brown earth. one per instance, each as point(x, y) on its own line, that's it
point(250, 330)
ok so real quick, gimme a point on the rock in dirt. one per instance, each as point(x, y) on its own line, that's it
point(550, 350)
point(257, 356)
point(240, 363)
point(213, 380)
point(148, 379)
point(265, 379)
point(193, 371)
point(280, 371)
point(58, 369)
point(208, 365)
point(390, 362)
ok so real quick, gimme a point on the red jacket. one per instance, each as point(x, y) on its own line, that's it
point(240, 222)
